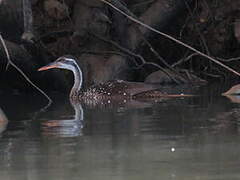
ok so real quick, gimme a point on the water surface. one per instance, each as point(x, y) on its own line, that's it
point(183, 138)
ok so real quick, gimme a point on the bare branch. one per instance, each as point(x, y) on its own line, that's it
point(184, 59)
point(171, 38)
point(229, 60)
point(21, 72)
point(143, 61)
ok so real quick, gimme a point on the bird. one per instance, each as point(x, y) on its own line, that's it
point(110, 90)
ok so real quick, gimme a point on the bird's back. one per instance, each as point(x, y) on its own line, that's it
point(119, 88)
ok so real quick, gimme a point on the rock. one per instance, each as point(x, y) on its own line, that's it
point(3, 119)
point(98, 69)
point(183, 76)
point(33, 2)
point(237, 29)
point(11, 20)
point(56, 9)
point(28, 37)
point(92, 18)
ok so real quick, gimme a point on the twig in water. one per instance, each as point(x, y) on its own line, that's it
point(21, 72)
point(171, 38)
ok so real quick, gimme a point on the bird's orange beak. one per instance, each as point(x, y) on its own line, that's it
point(49, 66)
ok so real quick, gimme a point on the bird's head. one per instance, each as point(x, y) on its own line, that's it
point(63, 62)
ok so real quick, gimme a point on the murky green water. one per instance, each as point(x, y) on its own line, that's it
point(186, 138)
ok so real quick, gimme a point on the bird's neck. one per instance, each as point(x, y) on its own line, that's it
point(78, 79)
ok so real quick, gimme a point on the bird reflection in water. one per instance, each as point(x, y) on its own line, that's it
point(66, 127)
point(234, 99)
point(72, 127)
point(228, 121)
